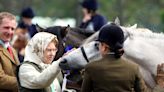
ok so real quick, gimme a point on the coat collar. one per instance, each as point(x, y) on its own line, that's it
point(7, 54)
point(111, 58)
point(4, 44)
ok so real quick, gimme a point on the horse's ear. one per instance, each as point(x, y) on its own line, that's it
point(68, 25)
point(67, 28)
point(117, 21)
point(39, 29)
point(64, 30)
point(134, 26)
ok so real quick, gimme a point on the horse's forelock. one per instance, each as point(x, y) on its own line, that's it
point(54, 30)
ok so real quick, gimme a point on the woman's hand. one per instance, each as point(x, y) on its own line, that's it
point(86, 17)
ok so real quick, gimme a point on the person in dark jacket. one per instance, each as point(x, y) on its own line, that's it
point(91, 19)
point(112, 73)
point(26, 17)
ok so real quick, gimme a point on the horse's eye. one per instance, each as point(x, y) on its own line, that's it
point(97, 45)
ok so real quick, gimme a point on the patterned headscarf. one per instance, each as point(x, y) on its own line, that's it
point(36, 46)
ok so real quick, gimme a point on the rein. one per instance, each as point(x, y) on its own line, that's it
point(83, 52)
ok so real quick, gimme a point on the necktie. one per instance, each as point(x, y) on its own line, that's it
point(10, 51)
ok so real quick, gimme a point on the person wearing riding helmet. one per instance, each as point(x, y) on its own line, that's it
point(26, 16)
point(112, 73)
point(91, 19)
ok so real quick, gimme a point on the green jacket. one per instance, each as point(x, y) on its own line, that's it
point(112, 75)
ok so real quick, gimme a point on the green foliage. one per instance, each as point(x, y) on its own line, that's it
point(146, 13)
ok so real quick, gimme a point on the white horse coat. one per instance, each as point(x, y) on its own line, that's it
point(145, 49)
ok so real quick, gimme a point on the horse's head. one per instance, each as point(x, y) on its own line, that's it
point(128, 30)
point(78, 58)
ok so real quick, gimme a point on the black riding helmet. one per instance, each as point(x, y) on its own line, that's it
point(27, 12)
point(112, 35)
point(90, 4)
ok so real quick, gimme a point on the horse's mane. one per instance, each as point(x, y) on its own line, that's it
point(151, 38)
point(143, 30)
point(146, 33)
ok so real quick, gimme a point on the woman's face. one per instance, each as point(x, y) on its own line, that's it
point(104, 48)
point(50, 53)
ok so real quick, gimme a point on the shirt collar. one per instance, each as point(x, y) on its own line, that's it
point(4, 44)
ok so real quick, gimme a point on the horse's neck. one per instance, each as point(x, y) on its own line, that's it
point(153, 42)
point(75, 37)
point(83, 31)
point(147, 48)
point(91, 38)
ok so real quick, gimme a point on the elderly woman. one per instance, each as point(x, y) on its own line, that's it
point(38, 73)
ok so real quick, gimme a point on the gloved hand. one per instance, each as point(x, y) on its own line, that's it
point(160, 75)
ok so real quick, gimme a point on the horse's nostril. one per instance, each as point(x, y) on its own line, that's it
point(64, 61)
